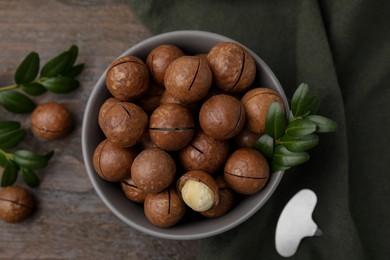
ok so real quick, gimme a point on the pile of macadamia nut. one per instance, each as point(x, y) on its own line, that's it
point(179, 130)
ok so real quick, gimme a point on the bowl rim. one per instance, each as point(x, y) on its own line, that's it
point(91, 172)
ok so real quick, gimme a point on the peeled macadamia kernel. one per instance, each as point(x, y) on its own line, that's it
point(153, 170)
point(127, 78)
point(112, 162)
point(16, 204)
point(171, 127)
point(222, 116)
point(256, 104)
point(204, 153)
point(51, 121)
point(226, 200)
point(132, 192)
point(188, 79)
point(198, 190)
point(197, 195)
point(160, 58)
point(233, 68)
point(246, 171)
point(124, 124)
point(164, 209)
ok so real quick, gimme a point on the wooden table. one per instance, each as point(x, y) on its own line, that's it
point(71, 221)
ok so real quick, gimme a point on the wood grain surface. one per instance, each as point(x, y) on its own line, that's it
point(71, 222)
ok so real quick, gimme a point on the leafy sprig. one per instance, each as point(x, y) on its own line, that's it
point(57, 76)
point(21, 161)
point(286, 140)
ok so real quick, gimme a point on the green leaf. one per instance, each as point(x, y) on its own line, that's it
point(73, 52)
point(56, 66)
point(286, 158)
point(265, 144)
point(33, 89)
point(12, 138)
point(300, 100)
point(74, 71)
point(31, 160)
point(301, 127)
point(313, 104)
point(299, 143)
point(10, 174)
point(29, 177)
point(6, 126)
point(323, 124)
point(60, 85)
point(276, 167)
point(28, 69)
point(16, 102)
point(275, 124)
point(3, 159)
point(49, 155)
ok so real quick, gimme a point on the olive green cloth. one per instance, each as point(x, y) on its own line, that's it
point(342, 50)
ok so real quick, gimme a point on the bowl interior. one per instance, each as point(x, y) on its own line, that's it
point(191, 42)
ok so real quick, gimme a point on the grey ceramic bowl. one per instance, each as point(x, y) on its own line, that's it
point(191, 42)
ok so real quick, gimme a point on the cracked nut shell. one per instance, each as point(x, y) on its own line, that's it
point(171, 127)
point(203, 178)
point(226, 200)
point(246, 171)
point(222, 116)
point(153, 170)
point(16, 204)
point(51, 120)
point(127, 78)
point(112, 162)
point(256, 104)
point(106, 106)
point(204, 153)
point(124, 124)
point(188, 79)
point(160, 58)
point(132, 192)
point(233, 68)
point(151, 99)
point(164, 209)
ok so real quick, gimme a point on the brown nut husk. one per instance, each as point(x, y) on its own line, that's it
point(153, 170)
point(246, 138)
point(105, 107)
point(51, 120)
point(256, 104)
point(124, 124)
point(246, 171)
point(204, 153)
point(127, 78)
point(222, 116)
point(132, 192)
point(171, 127)
point(160, 58)
point(16, 204)
point(226, 200)
point(112, 162)
point(188, 79)
point(198, 190)
point(166, 98)
point(151, 100)
point(164, 209)
point(233, 68)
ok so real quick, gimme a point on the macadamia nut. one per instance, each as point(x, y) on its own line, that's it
point(197, 195)
point(51, 120)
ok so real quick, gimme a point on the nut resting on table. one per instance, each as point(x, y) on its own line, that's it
point(179, 131)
